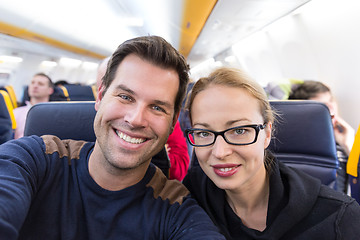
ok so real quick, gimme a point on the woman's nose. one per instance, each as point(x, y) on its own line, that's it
point(221, 148)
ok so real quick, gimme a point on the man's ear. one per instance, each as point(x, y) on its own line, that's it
point(51, 91)
point(99, 96)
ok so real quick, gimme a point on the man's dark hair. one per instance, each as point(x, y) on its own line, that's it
point(308, 89)
point(155, 50)
point(51, 84)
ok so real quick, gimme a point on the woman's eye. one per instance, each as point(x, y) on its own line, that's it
point(203, 134)
point(240, 131)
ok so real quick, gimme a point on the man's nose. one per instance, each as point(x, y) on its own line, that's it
point(137, 116)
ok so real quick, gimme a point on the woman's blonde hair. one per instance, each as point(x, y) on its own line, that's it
point(235, 78)
point(231, 77)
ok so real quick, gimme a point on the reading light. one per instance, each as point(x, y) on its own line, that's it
point(48, 63)
point(69, 62)
point(10, 59)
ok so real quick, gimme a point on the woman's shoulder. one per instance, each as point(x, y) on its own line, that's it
point(330, 194)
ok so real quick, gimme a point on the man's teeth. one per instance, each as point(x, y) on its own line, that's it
point(226, 169)
point(129, 139)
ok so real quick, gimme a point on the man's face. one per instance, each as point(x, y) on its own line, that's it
point(135, 116)
point(39, 87)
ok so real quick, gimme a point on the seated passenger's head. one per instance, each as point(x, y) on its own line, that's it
point(228, 101)
point(317, 91)
point(101, 71)
point(40, 87)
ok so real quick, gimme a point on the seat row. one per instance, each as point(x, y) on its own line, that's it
point(68, 92)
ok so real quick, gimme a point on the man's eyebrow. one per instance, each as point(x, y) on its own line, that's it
point(126, 89)
point(162, 103)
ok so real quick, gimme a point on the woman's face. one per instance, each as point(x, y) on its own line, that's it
point(230, 167)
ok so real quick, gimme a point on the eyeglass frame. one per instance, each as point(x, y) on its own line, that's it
point(257, 128)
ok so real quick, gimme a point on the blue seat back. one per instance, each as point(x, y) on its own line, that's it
point(304, 138)
point(6, 131)
point(73, 120)
point(79, 92)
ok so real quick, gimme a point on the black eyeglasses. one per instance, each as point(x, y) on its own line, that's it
point(241, 135)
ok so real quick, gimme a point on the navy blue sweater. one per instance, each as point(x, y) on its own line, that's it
point(46, 192)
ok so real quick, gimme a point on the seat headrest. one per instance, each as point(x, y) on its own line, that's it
point(67, 120)
point(6, 130)
point(80, 92)
point(304, 127)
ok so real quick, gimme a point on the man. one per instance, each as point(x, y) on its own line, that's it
point(53, 189)
point(40, 89)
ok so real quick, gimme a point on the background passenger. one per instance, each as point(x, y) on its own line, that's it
point(67, 189)
point(101, 71)
point(177, 150)
point(40, 89)
point(344, 133)
point(245, 190)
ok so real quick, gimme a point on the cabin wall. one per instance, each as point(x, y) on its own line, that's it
point(320, 41)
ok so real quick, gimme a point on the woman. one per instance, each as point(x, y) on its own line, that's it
point(244, 189)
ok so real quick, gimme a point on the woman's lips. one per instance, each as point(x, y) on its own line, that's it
point(226, 170)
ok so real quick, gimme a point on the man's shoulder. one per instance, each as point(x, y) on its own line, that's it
point(65, 148)
point(171, 190)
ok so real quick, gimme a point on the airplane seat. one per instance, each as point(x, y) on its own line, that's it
point(304, 139)
point(58, 95)
point(10, 90)
point(7, 119)
point(73, 120)
point(355, 187)
point(80, 92)
point(353, 167)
